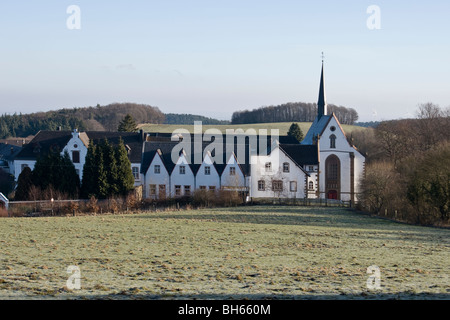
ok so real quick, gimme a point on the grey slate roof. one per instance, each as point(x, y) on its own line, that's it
point(8, 152)
point(302, 154)
point(54, 141)
point(43, 143)
point(316, 129)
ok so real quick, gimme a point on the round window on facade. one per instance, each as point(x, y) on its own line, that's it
point(333, 128)
point(75, 146)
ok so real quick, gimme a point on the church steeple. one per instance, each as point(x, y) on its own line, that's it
point(322, 103)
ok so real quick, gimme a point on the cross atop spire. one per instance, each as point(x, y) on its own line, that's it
point(322, 103)
point(323, 57)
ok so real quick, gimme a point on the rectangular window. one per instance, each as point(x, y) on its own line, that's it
point(76, 156)
point(268, 166)
point(157, 169)
point(311, 168)
point(286, 167)
point(178, 190)
point(187, 190)
point(207, 171)
point(277, 185)
point(212, 188)
point(182, 169)
point(261, 185)
point(136, 173)
point(153, 189)
point(232, 171)
point(293, 186)
point(202, 187)
point(162, 191)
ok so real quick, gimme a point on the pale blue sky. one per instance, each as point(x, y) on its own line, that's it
point(216, 57)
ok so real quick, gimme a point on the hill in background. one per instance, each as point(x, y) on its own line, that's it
point(99, 118)
point(174, 118)
point(292, 112)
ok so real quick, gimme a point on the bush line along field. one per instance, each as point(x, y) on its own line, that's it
point(248, 252)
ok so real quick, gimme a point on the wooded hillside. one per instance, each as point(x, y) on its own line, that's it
point(292, 112)
point(99, 118)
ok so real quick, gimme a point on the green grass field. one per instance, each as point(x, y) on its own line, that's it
point(249, 252)
point(282, 126)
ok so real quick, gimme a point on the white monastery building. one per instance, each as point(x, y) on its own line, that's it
point(324, 165)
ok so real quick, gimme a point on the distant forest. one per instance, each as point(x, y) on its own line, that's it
point(293, 111)
point(370, 124)
point(99, 118)
point(188, 119)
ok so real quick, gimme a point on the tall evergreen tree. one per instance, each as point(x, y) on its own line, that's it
point(24, 183)
point(44, 171)
point(89, 180)
point(295, 132)
point(58, 172)
point(101, 175)
point(69, 181)
point(110, 165)
point(127, 124)
point(7, 182)
point(124, 173)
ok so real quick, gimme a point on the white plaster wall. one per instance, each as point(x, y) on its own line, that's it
point(182, 180)
point(213, 179)
point(342, 151)
point(227, 180)
point(277, 158)
point(151, 177)
point(70, 146)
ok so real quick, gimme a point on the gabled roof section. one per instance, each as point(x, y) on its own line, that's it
point(8, 152)
point(302, 154)
point(233, 156)
point(316, 129)
point(150, 150)
point(43, 143)
point(289, 156)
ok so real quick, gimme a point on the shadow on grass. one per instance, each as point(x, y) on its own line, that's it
point(347, 220)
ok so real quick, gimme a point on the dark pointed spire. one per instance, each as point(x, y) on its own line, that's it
point(322, 103)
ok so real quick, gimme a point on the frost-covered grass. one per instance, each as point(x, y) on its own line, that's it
point(251, 252)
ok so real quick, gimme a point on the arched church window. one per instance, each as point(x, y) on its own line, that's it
point(333, 141)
